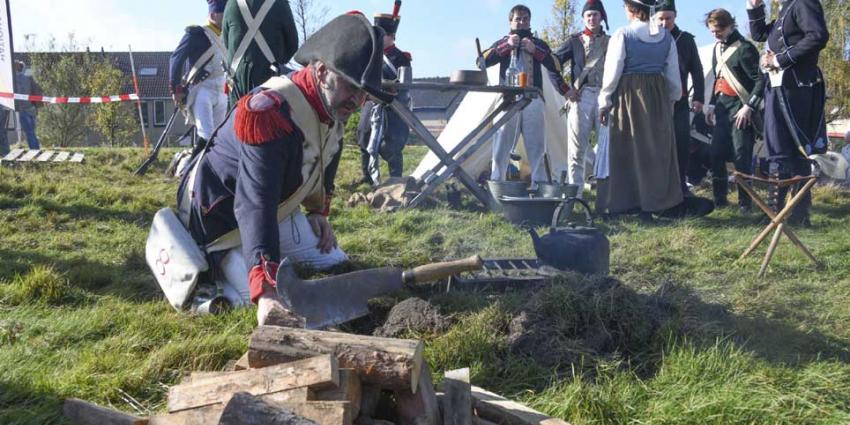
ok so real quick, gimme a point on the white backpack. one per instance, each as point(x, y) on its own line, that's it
point(174, 258)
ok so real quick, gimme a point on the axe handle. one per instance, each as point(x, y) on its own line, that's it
point(437, 271)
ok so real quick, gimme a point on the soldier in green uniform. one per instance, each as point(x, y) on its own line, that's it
point(252, 61)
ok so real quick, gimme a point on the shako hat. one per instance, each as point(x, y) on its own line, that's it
point(216, 6)
point(350, 46)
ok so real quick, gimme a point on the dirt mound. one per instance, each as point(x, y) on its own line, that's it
point(575, 320)
point(412, 315)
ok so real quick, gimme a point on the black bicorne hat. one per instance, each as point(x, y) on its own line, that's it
point(597, 6)
point(387, 22)
point(350, 46)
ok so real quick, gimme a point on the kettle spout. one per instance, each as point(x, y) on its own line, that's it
point(535, 238)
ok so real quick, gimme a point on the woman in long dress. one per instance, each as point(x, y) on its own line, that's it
point(640, 84)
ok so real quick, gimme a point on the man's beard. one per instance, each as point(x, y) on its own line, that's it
point(332, 109)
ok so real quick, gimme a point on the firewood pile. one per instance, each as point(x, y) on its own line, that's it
point(304, 377)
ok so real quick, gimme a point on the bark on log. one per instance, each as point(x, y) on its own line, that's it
point(203, 415)
point(349, 390)
point(370, 397)
point(496, 408)
point(246, 409)
point(457, 399)
point(318, 373)
point(420, 408)
point(84, 413)
point(391, 363)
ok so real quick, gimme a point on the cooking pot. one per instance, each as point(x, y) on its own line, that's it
point(578, 248)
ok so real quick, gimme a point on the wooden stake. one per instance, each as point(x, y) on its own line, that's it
point(457, 401)
point(500, 410)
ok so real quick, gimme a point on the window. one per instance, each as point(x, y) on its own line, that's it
point(145, 118)
point(149, 71)
point(159, 113)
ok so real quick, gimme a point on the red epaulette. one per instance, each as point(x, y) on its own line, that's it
point(408, 56)
point(259, 119)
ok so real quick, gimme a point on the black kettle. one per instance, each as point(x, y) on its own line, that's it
point(583, 249)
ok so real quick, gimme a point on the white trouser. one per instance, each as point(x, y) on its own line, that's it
point(530, 123)
point(297, 241)
point(583, 118)
point(210, 106)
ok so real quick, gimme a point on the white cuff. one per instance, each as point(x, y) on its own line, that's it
point(776, 62)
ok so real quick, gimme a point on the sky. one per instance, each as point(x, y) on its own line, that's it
point(440, 34)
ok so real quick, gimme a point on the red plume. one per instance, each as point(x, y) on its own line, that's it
point(396, 8)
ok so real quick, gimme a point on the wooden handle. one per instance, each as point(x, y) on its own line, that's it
point(437, 271)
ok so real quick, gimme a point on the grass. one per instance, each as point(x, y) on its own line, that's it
point(681, 333)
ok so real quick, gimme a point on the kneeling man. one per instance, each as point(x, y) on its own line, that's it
point(279, 151)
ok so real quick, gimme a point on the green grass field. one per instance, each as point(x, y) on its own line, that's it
point(681, 333)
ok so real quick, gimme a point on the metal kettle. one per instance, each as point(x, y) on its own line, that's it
point(583, 249)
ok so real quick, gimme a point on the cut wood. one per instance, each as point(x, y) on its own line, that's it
point(29, 155)
point(84, 413)
point(457, 399)
point(242, 363)
point(14, 154)
point(496, 408)
point(246, 409)
point(322, 412)
point(349, 390)
point(203, 415)
point(394, 364)
point(45, 156)
point(318, 373)
point(420, 408)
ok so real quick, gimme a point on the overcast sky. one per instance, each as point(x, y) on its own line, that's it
point(440, 34)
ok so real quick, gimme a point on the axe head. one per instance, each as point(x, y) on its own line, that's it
point(337, 299)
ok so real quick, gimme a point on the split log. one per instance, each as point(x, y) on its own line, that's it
point(242, 363)
point(245, 409)
point(84, 413)
point(321, 412)
point(317, 373)
point(349, 390)
point(457, 401)
point(496, 408)
point(394, 364)
point(419, 408)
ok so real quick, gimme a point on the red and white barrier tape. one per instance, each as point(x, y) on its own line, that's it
point(64, 100)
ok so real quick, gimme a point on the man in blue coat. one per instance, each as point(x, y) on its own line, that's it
point(795, 96)
point(278, 152)
point(196, 73)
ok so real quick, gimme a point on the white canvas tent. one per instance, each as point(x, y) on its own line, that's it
point(475, 107)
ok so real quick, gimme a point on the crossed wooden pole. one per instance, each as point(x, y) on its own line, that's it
point(777, 221)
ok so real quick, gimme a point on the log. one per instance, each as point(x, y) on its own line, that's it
point(242, 363)
point(84, 413)
point(246, 409)
point(318, 373)
point(322, 412)
point(457, 399)
point(421, 407)
point(500, 410)
point(394, 364)
point(349, 390)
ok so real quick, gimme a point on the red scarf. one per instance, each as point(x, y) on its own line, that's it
point(591, 34)
point(305, 82)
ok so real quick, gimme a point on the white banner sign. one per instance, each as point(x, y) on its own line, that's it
point(7, 72)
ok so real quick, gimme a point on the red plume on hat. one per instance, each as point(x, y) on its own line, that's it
point(597, 6)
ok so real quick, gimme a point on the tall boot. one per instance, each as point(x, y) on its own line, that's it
point(720, 187)
point(364, 167)
point(801, 213)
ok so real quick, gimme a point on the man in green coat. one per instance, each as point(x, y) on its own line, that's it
point(254, 60)
point(737, 94)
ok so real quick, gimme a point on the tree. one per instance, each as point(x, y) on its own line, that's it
point(309, 16)
point(115, 122)
point(561, 23)
point(835, 59)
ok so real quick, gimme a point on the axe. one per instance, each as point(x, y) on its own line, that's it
point(342, 298)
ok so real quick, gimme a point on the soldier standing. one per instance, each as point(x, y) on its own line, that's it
point(200, 90)
point(795, 97)
point(737, 93)
point(585, 51)
point(381, 132)
point(689, 65)
point(532, 54)
point(261, 38)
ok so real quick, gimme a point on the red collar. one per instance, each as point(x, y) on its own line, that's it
point(590, 33)
point(305, 82)
point(388, 49)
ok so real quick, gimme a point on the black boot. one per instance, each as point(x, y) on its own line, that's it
point(720, 187)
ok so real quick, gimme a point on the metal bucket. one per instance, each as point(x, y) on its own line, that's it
point(555, 190)
point(514, 189)
point(529, 211)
